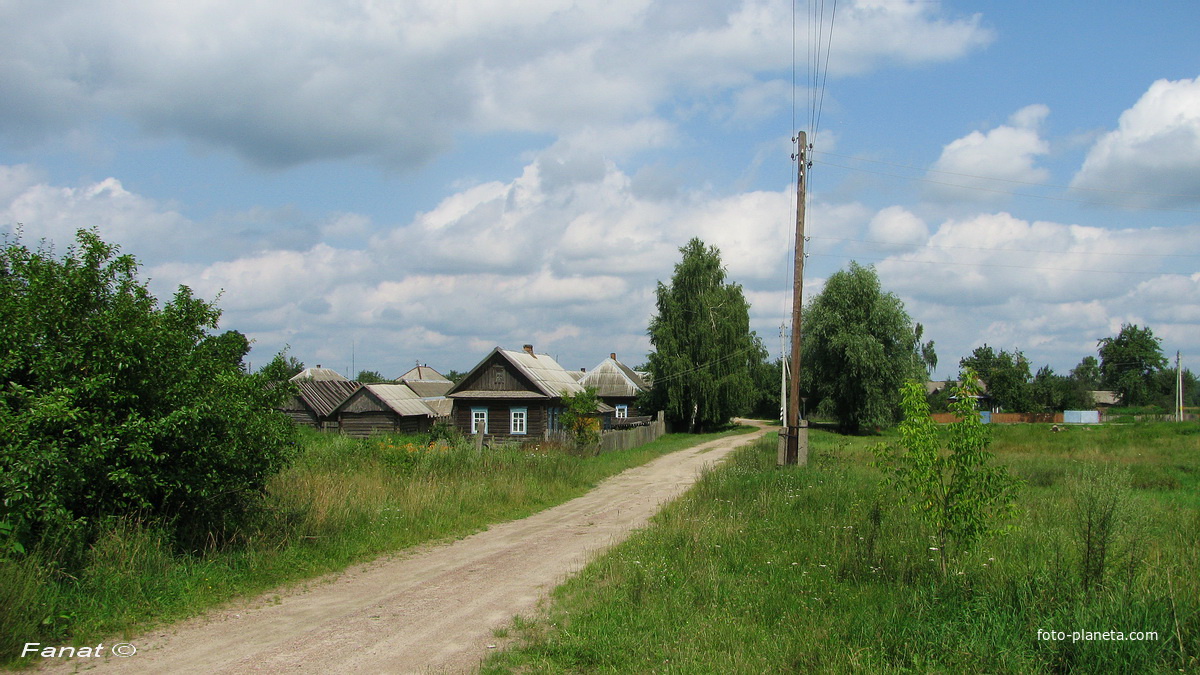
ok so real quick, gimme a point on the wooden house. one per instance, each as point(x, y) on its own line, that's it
point(315, 401)
point(514, 395)
point(618, 385)
point(383, 408)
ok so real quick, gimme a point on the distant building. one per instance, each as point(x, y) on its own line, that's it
point(514, 395)
point(618, 385)
point(383, 408)
point(315, 401)
point(319, 374)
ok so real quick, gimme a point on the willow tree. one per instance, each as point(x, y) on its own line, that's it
point(860, 346)
point(704, 349)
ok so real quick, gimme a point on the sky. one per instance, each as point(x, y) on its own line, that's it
point(371, 184)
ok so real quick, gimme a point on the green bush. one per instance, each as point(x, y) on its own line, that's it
point(113, 406)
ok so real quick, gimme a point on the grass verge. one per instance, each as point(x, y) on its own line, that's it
point(342, 501)
point(819, 569)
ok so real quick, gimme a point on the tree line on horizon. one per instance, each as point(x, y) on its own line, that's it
point(860, 345)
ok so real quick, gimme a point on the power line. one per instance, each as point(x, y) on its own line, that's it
point(1042, 268)
point(1020, 194)
point(1009, 180)
point(1015, 250)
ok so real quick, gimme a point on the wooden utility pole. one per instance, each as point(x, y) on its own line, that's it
point(793, 443)
point(1178, 388)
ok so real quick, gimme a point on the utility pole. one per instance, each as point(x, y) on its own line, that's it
point(1178, 388)
point(794, 440)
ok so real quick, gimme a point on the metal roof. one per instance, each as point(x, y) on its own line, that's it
point(613, 378)
point(544, 371)
point(319, 374)
point(429, 388)
point(402, 400)
point(422, 374)
point(442, 407)
point(550, 379)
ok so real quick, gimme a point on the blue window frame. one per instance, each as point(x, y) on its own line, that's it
point(518, 421)
point(479, 420)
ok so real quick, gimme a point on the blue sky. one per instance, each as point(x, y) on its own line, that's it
point(376, 184)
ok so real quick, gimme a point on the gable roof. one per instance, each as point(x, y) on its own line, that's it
point(549, 378)
point(396, 397)
point(422, 374)
point(613, 378)
point(429, 388)
point(319, 374)
point(324, 396)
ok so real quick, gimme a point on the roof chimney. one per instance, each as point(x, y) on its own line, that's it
point(613, 356)
point(318, 365)
point(529, 351)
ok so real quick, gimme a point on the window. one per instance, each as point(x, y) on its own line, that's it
point(553, 423)
point(518, 417)
point(622, 411)
point(479, 418)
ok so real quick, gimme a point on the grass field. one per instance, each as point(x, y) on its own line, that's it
point(342, 501)
point(820, 569)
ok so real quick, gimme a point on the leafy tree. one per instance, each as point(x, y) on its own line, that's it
point(281, 368)
point(370, 377)
point(112, 405)
point(859, 346)
point(580, 419)
point(704, 350)
point(767, 377)
point(1006, 375)
point(1087, 373)
point(1129, 361)
point(455, 376)
point(1052, 393)
point(947, 471)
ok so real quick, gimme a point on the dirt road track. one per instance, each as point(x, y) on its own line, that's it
point(432, 611)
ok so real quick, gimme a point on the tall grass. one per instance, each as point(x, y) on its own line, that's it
point(761, 569)
point(341, 501)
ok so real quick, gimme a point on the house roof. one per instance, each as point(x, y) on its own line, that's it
point(319, 374)
point(397, 397)
point(441, 406)
point(613, 378)
point(550, 379)
point(429, 388)
point(422, 374)
point(324, 396)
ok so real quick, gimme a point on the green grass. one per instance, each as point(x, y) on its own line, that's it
point(341, 501)
point(819, 569)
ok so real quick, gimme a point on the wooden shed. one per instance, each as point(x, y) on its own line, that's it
point(383, 408)
point(315, 401)
point(513, 395)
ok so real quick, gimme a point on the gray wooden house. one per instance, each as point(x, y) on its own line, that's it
point(316, 400)
point(514, 395)
point(383, 408)
point(618, 385)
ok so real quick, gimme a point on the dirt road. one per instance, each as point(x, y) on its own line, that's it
point(431, 611)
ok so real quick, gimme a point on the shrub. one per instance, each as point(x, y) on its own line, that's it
point(112, 406)
point(946, 472)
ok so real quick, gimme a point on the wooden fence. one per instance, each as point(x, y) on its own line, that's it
point(633, 437)
point(1005, 418)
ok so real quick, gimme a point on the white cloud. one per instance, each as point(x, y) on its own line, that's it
point(286, 83)
point(899, 227)
point(1153, 157)
point(978, 165)
point(1047, 288)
